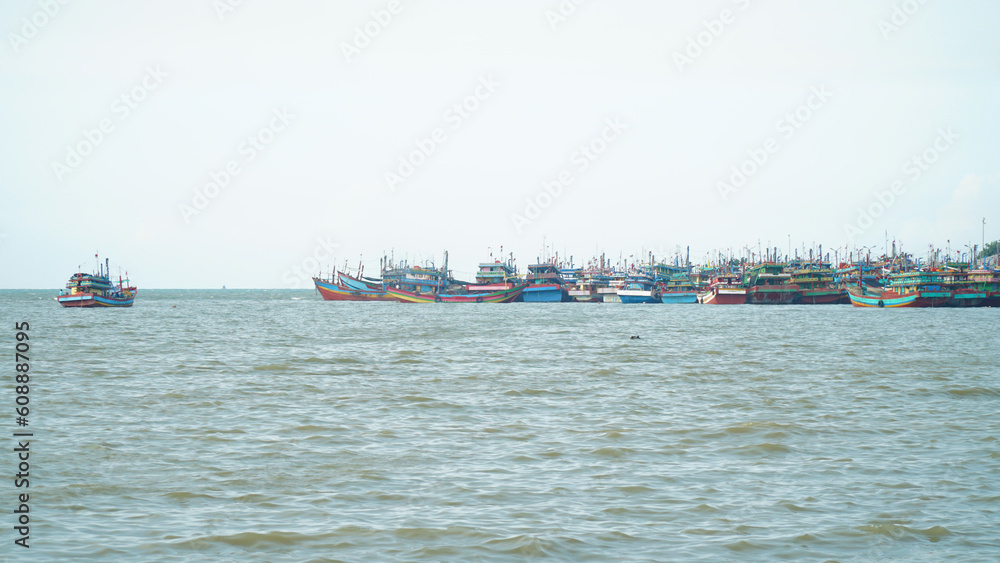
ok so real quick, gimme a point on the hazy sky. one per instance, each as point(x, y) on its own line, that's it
point(197, 143)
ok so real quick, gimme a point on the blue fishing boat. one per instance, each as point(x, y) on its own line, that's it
point(679, 289)
point(544, 285)
point(639, 288)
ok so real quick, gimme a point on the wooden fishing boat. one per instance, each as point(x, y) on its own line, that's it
point(725, 289)
point(816, 286)
point(904, 289)
point(770, 285)
point(678, 289)
point(503, 296)
point(987, 281)
point(97, 290)
point(495, 276)
point(639, 288)
point(544, 285)
point(331, 291)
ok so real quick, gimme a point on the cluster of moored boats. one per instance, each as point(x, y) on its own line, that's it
point(896, 282)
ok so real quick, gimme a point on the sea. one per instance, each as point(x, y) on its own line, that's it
point(270, 425)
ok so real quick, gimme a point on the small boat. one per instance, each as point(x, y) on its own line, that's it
point(97, 290)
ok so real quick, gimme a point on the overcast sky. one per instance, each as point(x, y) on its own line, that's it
point(200, 144)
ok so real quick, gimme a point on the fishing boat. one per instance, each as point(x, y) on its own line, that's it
point(502, 296)
point(816, 286)
point(678, 289)
point(639, 288)
point(431, 285)
point(917, 288)
point(966, 292)
point(725, 289)
point(97, 290)
point(768, 284)
point(330, 290)
point(987, 281)
point(495, 276)
point(544, 285)
point(590, 286)
point(674, 282)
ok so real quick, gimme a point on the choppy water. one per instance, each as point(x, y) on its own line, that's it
point(269, 425)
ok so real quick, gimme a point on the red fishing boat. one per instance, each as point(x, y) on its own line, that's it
point(725, 289)
point(332, 291)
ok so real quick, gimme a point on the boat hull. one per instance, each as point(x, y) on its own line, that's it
point(504, 296)
point(89, 300)
point(963, 298)
point(333, 292)
point(725, 297)
point(993, 300)
point(890, 299)
point(549, 293)
point(676, 297)
point(772, 296)
point(821, 296)
point(632, 296)
point(584, 296)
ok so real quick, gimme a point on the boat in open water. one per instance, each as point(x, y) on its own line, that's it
point(97, 290)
